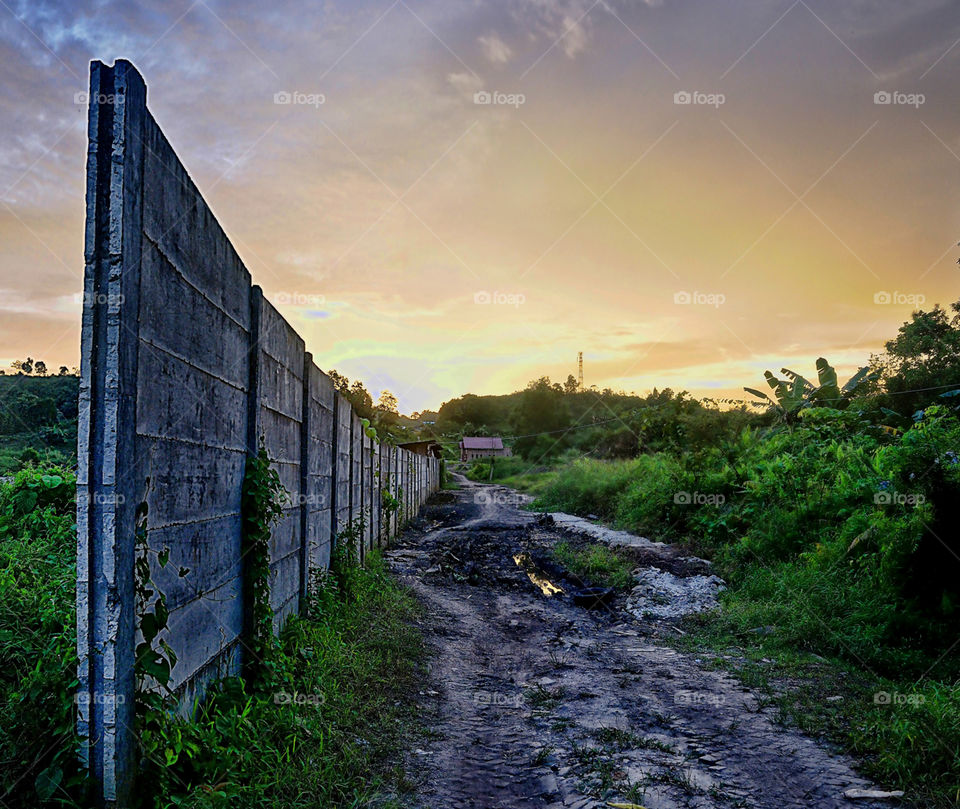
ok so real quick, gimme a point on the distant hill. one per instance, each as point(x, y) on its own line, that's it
point(547, 419)
point(38, 420)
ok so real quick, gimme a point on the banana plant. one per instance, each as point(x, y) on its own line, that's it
point(795, 393)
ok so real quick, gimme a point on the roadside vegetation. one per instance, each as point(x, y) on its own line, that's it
point(829, 506)
point(325, 726)
point(37, 636)
point(596, 563)
point(329, 725)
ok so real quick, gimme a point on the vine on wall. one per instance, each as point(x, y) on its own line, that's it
point(262, 502)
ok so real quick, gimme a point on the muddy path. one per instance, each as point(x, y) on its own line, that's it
point(537, 702)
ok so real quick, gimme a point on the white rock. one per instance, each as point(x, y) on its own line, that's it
point(872, 793)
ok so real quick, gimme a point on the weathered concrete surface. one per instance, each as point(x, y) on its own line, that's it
point(185, 368)
point(108, 478)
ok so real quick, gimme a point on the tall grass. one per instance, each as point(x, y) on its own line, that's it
point(836, 538)
point(329, 729)
point(37, 637)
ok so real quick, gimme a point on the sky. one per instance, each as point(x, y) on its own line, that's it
point(446, 197)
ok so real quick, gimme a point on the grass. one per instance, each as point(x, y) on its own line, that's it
point(904, 734)
point(328, 729)
point(598, 563)
point(619, 740)
point(37, 636)
point(847, 595)
point(545, 699)
point(17, 448)
point(332, 729)
point(513, 471)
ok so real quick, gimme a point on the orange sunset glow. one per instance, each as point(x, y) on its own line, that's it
point(452, 197)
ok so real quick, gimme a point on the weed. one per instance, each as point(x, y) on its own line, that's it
point(597, 562)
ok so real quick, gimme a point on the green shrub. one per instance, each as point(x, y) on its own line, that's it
point(327, 730)
point(598, 564)
point(37, 636)
point(913, 738)
point(503, 468)
point(588, 487)
point(822, 527)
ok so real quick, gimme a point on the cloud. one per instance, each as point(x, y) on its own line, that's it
point(575, 38)
point(465, 83)
point(495, 49)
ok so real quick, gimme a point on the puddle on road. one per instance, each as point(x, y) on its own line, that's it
point(536, 575)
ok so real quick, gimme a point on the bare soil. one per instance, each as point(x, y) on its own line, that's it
point(537, 702)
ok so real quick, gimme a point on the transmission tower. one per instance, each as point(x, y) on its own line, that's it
point(580, 370)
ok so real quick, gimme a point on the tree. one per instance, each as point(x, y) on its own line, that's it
point(470, 409)
point(542, 409)
point(924, 354)
point(571, 385)
point(40, 368)
point(340, 383)
point(793, 394)
point(387, 413)
point(361, 400)
point(24, 366)
point(387, 402)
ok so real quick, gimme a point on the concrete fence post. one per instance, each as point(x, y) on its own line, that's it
point(308, 450)
point(254, 431)
point(109, 484)
point(334, 474)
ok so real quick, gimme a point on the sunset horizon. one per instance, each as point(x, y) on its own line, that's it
point(446, 200)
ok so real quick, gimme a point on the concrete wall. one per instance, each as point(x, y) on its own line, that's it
point(185, 370)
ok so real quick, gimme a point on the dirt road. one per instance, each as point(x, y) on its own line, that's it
point(537, 702)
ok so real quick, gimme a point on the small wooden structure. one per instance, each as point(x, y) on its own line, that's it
point(472, 447)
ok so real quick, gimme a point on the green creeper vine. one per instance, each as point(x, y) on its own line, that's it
point(391, 505)
point(345, 560)
point(262, 502)
point(370, 431)
point(153, 658)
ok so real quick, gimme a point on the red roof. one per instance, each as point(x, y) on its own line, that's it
point(479, 442)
